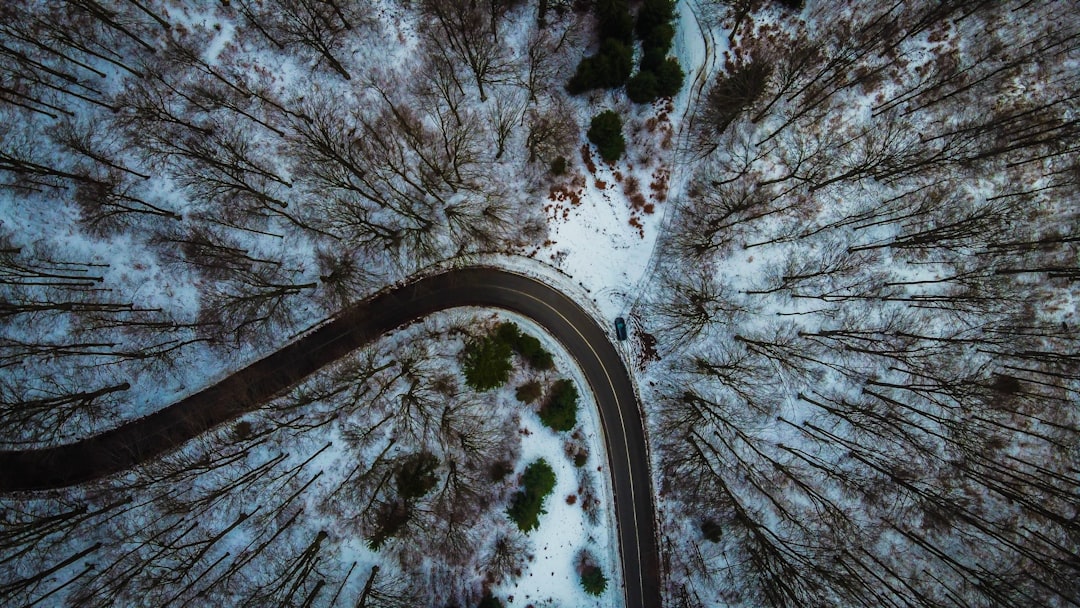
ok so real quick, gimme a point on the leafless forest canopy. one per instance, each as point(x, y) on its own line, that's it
point(865, 385)
point(188, 185)
point(871, 374)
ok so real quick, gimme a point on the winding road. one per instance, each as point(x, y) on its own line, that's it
point(243, 391)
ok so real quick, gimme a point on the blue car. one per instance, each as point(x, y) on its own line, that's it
point(620, 328)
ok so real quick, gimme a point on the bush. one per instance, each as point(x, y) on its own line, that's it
point(389, 520)
point(416, 475)
point(242, 430)
point(528, 504)
point(487, 363)
point(614, 20)
point(654, 13)
point(659, 39)
point(499, 470)
point(606, 133)
point(558, 166)
point(528, 392)
point(609, 68)
point(669, 78)
point(560, 410)
point(712, 531)
point(525, 345)
point(593, 580)
point(730, 96)
point(489, 601)
point(642, 87)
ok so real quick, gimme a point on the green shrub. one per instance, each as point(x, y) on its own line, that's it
point(527, 505)
point(560, 410)
point(654, 13)
point(609, 68)
point(388, 521)
point(733, 94)
point(528, 392)
point(669, 78)
point(415, 476)
point(489, 601)
point(593, 580)
point(606, 133)
point(558, 166)
point(659, 38)
point(614, 20)
point(642, 87)
point(525, 345)
point(712, 531)
point(487, 363)
point(581, 459)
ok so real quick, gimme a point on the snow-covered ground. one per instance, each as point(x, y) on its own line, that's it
point(757, 273)
point(564, 531)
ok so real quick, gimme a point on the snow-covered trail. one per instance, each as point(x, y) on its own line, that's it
point(699, 53)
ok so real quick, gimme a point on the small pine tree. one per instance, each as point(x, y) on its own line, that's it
point(609, 68)
point(560, 411)
point(616, 61)
point(487, 363)
point(659, 38)
point(533, 352)
point(416, 475)
point(593, 580)
point(669, 78)
point(606, 133)
point(652, 58)
point(508, 332)
point(585, 78)
point(527, 505)
point(652, 14)
point(642, 87)
point(614, 20)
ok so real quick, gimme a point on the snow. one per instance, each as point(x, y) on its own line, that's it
point(597, 235)
point(564, 530)
point(551, 577)
point(607, 232)
point(594, 243)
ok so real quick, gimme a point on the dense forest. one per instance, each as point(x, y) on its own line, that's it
point(869, 378)
point(857, 340)
point(186, 186)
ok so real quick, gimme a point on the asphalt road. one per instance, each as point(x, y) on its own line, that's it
point(163, 431)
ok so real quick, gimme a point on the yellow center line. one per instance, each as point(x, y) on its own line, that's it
point(622, 425)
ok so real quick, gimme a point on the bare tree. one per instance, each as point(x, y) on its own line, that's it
point(318, 25)
point(467, 32)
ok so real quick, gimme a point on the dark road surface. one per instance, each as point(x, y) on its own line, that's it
point(149, 437)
